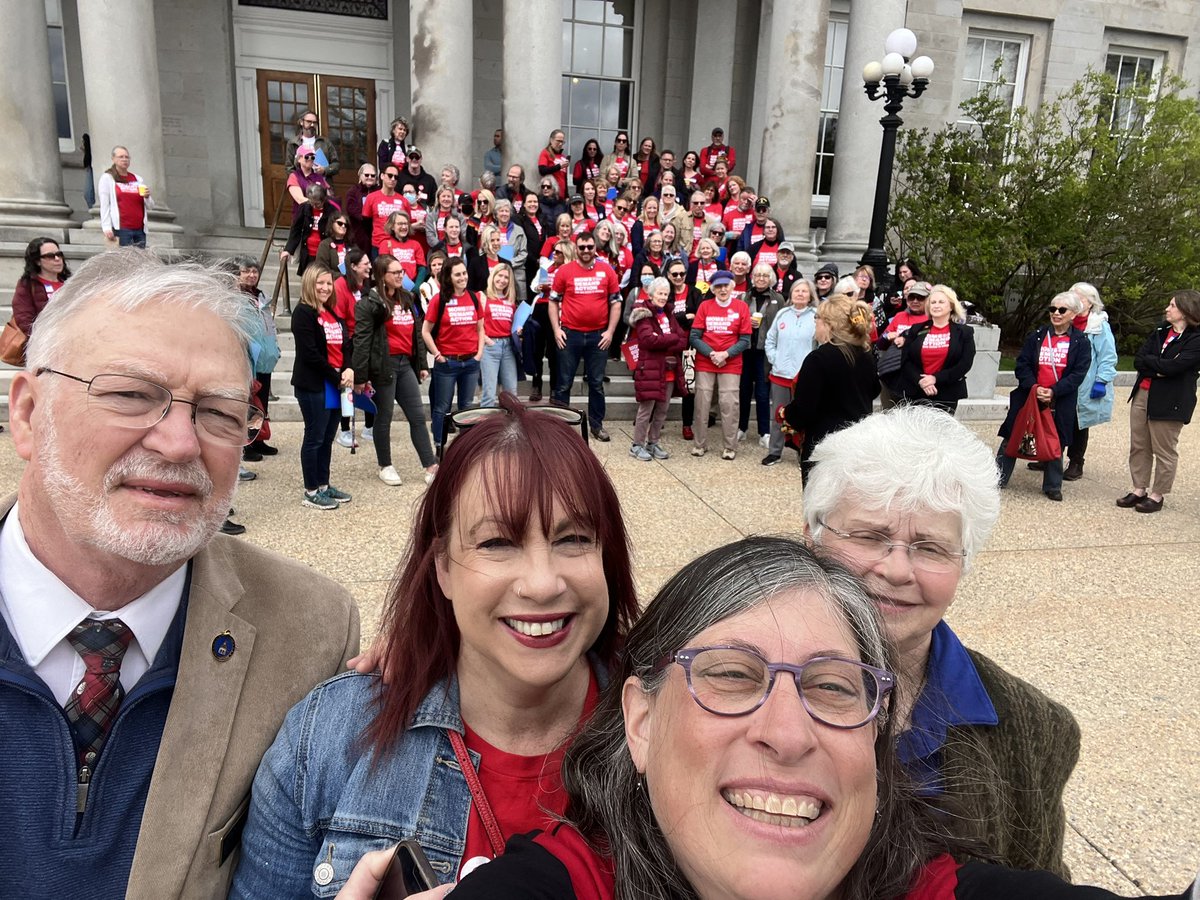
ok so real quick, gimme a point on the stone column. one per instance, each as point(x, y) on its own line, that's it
point(532, 105)
point(120, 61)
point(443, 76)
point(856, 156)
point(31, 191)
point(712, 75)
point(796, 61)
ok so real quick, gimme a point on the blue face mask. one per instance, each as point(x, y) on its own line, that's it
point(647, 280)
point(411, 198)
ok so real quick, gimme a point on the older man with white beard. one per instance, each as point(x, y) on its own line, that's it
point(146, 662)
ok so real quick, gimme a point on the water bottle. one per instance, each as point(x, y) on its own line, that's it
point(348, 402)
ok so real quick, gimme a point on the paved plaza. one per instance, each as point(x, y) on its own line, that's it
point(1093, 604)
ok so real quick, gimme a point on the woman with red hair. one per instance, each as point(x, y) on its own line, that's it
point(501, 624)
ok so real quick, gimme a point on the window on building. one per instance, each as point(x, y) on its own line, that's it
point(995, 65)
point(1136, 74)
point(597, 63)
point(58, 74)
point(831, 98)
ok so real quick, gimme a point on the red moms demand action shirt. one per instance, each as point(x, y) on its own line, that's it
point(584, 295)
point(377, 207)
point(458, 335)
point(399, 330)
point(721, 327)
point(1052, 358)
point(934, 350)
point(497, 318)
point(333, 337)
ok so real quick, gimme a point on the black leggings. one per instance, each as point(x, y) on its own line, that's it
point(544, 347)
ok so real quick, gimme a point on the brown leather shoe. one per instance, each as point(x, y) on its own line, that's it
point(1130, 500)
point(1146, 505)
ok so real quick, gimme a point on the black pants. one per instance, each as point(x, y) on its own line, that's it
point(1078, 446)
point(544, 347)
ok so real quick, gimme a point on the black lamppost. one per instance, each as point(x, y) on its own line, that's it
point(901, 78)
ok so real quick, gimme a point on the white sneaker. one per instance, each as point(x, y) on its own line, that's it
point(368, 434)
point(345, 438)
point(429, 476)
point(389, 475)
point(741, 436)
point(764, 441)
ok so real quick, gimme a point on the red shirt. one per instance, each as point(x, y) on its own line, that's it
point(440, 223)
point(721, 327)
point(399, 330)
point(706, 270)
point(131, 206)
point(934, 349)
point(579, 226)
point(736, 221)
point(454, 249)
point(697, 229)
point(680, 299)
point(458, 334)
point(1052, 358)
point(497, 318)
point(313, 241)
point(343, 306)
point(903, 321)
point(377, 207)
point(408, 252)
point(768, 254)
point(584, 294)
point(547, 158)
point(524, 792)
point(333, 337)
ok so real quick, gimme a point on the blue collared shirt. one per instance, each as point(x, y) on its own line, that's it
point(954, 695)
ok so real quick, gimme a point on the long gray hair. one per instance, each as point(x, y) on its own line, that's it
point(606, 805)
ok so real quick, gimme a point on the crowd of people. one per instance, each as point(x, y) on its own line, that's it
point(788, 717)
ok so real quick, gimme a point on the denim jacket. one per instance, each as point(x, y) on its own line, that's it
point(319, 797)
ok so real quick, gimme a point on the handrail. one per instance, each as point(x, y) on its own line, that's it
point(262, 260)
point(282, 277)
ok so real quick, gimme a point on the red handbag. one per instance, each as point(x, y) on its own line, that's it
point(1034, 435)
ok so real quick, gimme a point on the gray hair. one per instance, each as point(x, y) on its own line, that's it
point(845, 285)
point(488, 181)
point(549, 181)
point(909, 459)
point(763, 269)
point(244, 262)
point(1090, 293)
point(1070, 300)
point(316, 193)
point(659, 282)
point(741, 255)
point(502, 204)
point(128, 280)
point(453, 170)
point(363, 168)
point(606, 801)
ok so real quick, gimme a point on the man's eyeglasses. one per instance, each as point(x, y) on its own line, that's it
point(735, 681)
point(1061, 310)
point(57, 254)
point(928, 556)
point(136, 403)
point(621, 210)
point(311, 123)
point(389, 174)
point(585, 247)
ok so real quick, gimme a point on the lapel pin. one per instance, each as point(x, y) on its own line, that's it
point(223, 646)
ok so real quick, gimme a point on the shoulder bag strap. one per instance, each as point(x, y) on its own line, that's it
point(478, 797)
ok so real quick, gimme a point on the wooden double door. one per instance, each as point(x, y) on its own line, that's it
point(345, 109)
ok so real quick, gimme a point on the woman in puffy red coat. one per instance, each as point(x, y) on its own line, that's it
point(660, 339)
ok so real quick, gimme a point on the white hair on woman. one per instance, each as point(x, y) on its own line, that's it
point(845, 285)
point(908, 460)
point(1070, 300)
point(1089, 293)
point(741, 256)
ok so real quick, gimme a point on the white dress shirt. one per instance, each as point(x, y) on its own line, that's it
point(40, 612)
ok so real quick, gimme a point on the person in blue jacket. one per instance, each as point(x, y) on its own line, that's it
point(1096, 392)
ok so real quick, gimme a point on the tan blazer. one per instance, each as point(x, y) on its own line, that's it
point(292, 629)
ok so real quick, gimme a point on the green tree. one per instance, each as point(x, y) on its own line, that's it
point(1020, 205)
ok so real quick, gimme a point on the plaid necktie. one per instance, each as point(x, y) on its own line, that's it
point(94, 702)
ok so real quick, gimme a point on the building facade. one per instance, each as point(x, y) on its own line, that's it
point(205, 93)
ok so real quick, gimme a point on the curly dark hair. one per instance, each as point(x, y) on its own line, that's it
point(33, 259)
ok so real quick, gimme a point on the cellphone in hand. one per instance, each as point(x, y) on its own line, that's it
point(408, 873)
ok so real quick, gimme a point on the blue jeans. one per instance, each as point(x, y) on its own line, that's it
point(499, 363)
point(1052, 475)
point(320, 428)
point(583, 345)
point(448, 376)
point(130, 237)
point(754, 381)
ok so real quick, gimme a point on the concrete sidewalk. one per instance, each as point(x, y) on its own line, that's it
point(1093, 604)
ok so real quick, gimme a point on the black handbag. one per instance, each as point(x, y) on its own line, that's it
point(888, 362)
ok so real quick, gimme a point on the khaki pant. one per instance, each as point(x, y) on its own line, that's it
point(648, 423)
point(726, 386)
point(1153, 445)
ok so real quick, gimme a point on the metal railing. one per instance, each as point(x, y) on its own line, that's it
point(281, 280)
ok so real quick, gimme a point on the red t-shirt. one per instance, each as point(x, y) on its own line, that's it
point(1052, 358)
point(768, 254)
point(680, 300)
point(458, 334)
point(739, 290)
point(399, 330)
point(377, 207)
point(584, 294)
point(547, 158)
point(313, 241)
point(408, 252)
point(524, 792)
point(343, 306)
point(721, 327)
point(706, 270)
point(903, 321)
point(736, 221)
point(440, 226)
point(333, 337)
point(579, 226)
point(697, 229)
point(131, 206)
point(497, 318)
point(52, 286)
point(934, 350)
point(1144, 384)
point(455, 249)
point(622, 165)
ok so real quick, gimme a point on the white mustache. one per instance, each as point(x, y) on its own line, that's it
point(130, 468)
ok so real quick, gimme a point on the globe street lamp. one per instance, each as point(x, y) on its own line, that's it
point(900, 78)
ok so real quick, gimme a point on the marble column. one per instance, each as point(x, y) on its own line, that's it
point(443, 75)
point(792, 110)
point(31, 191)
point(120, 63)
point(532, 103)
point(856, 155)
point(712, 74)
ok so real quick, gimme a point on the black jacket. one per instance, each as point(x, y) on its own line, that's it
point(311, 370)
point(951, 381)
point(1172, 373)
point(831, 393)
point(297, 242)
point(372, 360)
point(1065, 390)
